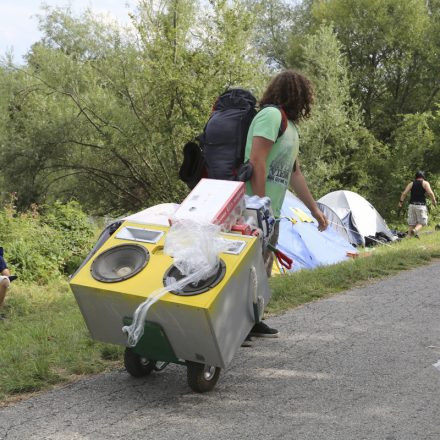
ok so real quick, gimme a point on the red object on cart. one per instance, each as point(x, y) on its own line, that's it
point(283, 259)
point(244, 229)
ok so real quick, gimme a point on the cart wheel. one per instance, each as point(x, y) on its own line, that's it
point(202, 377)
point(136, 365)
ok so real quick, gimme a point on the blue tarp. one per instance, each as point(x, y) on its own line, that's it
point(302, 241)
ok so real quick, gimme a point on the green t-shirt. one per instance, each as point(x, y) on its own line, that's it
point(282, 155)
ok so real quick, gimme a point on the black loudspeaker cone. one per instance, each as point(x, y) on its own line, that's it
point(198, 287)
point(119, 263)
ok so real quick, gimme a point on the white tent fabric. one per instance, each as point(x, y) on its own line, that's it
point(359, 217)
point(302, 241)
point(336, 223)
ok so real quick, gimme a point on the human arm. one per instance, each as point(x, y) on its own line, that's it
point(427, 188)
point(299, 185)
point(405, 193)
point(259, 152)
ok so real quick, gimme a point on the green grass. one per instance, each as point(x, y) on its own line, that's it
point(44, 340)
point(308, 285)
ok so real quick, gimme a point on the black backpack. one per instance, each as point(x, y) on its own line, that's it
point(223, 140)
point(218, 153)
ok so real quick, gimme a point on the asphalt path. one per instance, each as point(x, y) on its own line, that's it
point(358, 365)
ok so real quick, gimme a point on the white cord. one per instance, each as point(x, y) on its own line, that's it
point(254, 282)
point(258, 300)
point(136, 329)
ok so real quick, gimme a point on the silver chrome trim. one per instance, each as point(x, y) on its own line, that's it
point(139, 234)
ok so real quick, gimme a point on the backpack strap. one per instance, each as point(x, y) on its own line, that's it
point(284, 122)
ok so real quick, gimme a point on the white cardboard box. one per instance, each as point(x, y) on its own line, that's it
point(213, 201)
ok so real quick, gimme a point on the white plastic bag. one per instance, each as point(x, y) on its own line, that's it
point(195, 248)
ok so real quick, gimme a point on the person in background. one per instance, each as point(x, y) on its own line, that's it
point(417, 210)
point(4, 280)
point(273, 156)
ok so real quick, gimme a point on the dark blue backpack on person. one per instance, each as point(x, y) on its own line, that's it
point(223, 140)
point(218, 152)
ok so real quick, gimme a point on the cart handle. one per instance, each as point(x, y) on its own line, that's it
point(283, 259)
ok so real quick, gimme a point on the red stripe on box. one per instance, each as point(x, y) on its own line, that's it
point(229, 205)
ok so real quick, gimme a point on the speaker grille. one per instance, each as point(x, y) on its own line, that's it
point(195, 288)
point(119, 263)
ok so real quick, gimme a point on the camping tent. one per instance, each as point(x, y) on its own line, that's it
point(359, 217)
point(301, 240)
point(347, 230)
point(336, 223)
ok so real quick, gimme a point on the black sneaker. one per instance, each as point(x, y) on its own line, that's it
point(262, 330)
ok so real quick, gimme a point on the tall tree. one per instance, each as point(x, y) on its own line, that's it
point(103, 117)
point(389, 46)
point(276, 23)
point(337, 150)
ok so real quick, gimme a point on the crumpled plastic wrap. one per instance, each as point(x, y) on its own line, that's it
point(195, 248)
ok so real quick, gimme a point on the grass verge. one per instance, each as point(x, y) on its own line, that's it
point(44, 340)
point(309, 285)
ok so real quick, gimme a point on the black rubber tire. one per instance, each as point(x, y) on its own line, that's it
point(201, 377)
point(136, 365)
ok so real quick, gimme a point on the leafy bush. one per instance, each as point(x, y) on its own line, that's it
point(75, 229)
point(46, 243)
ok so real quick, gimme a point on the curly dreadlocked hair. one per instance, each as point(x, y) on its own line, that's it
point(293, 92)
